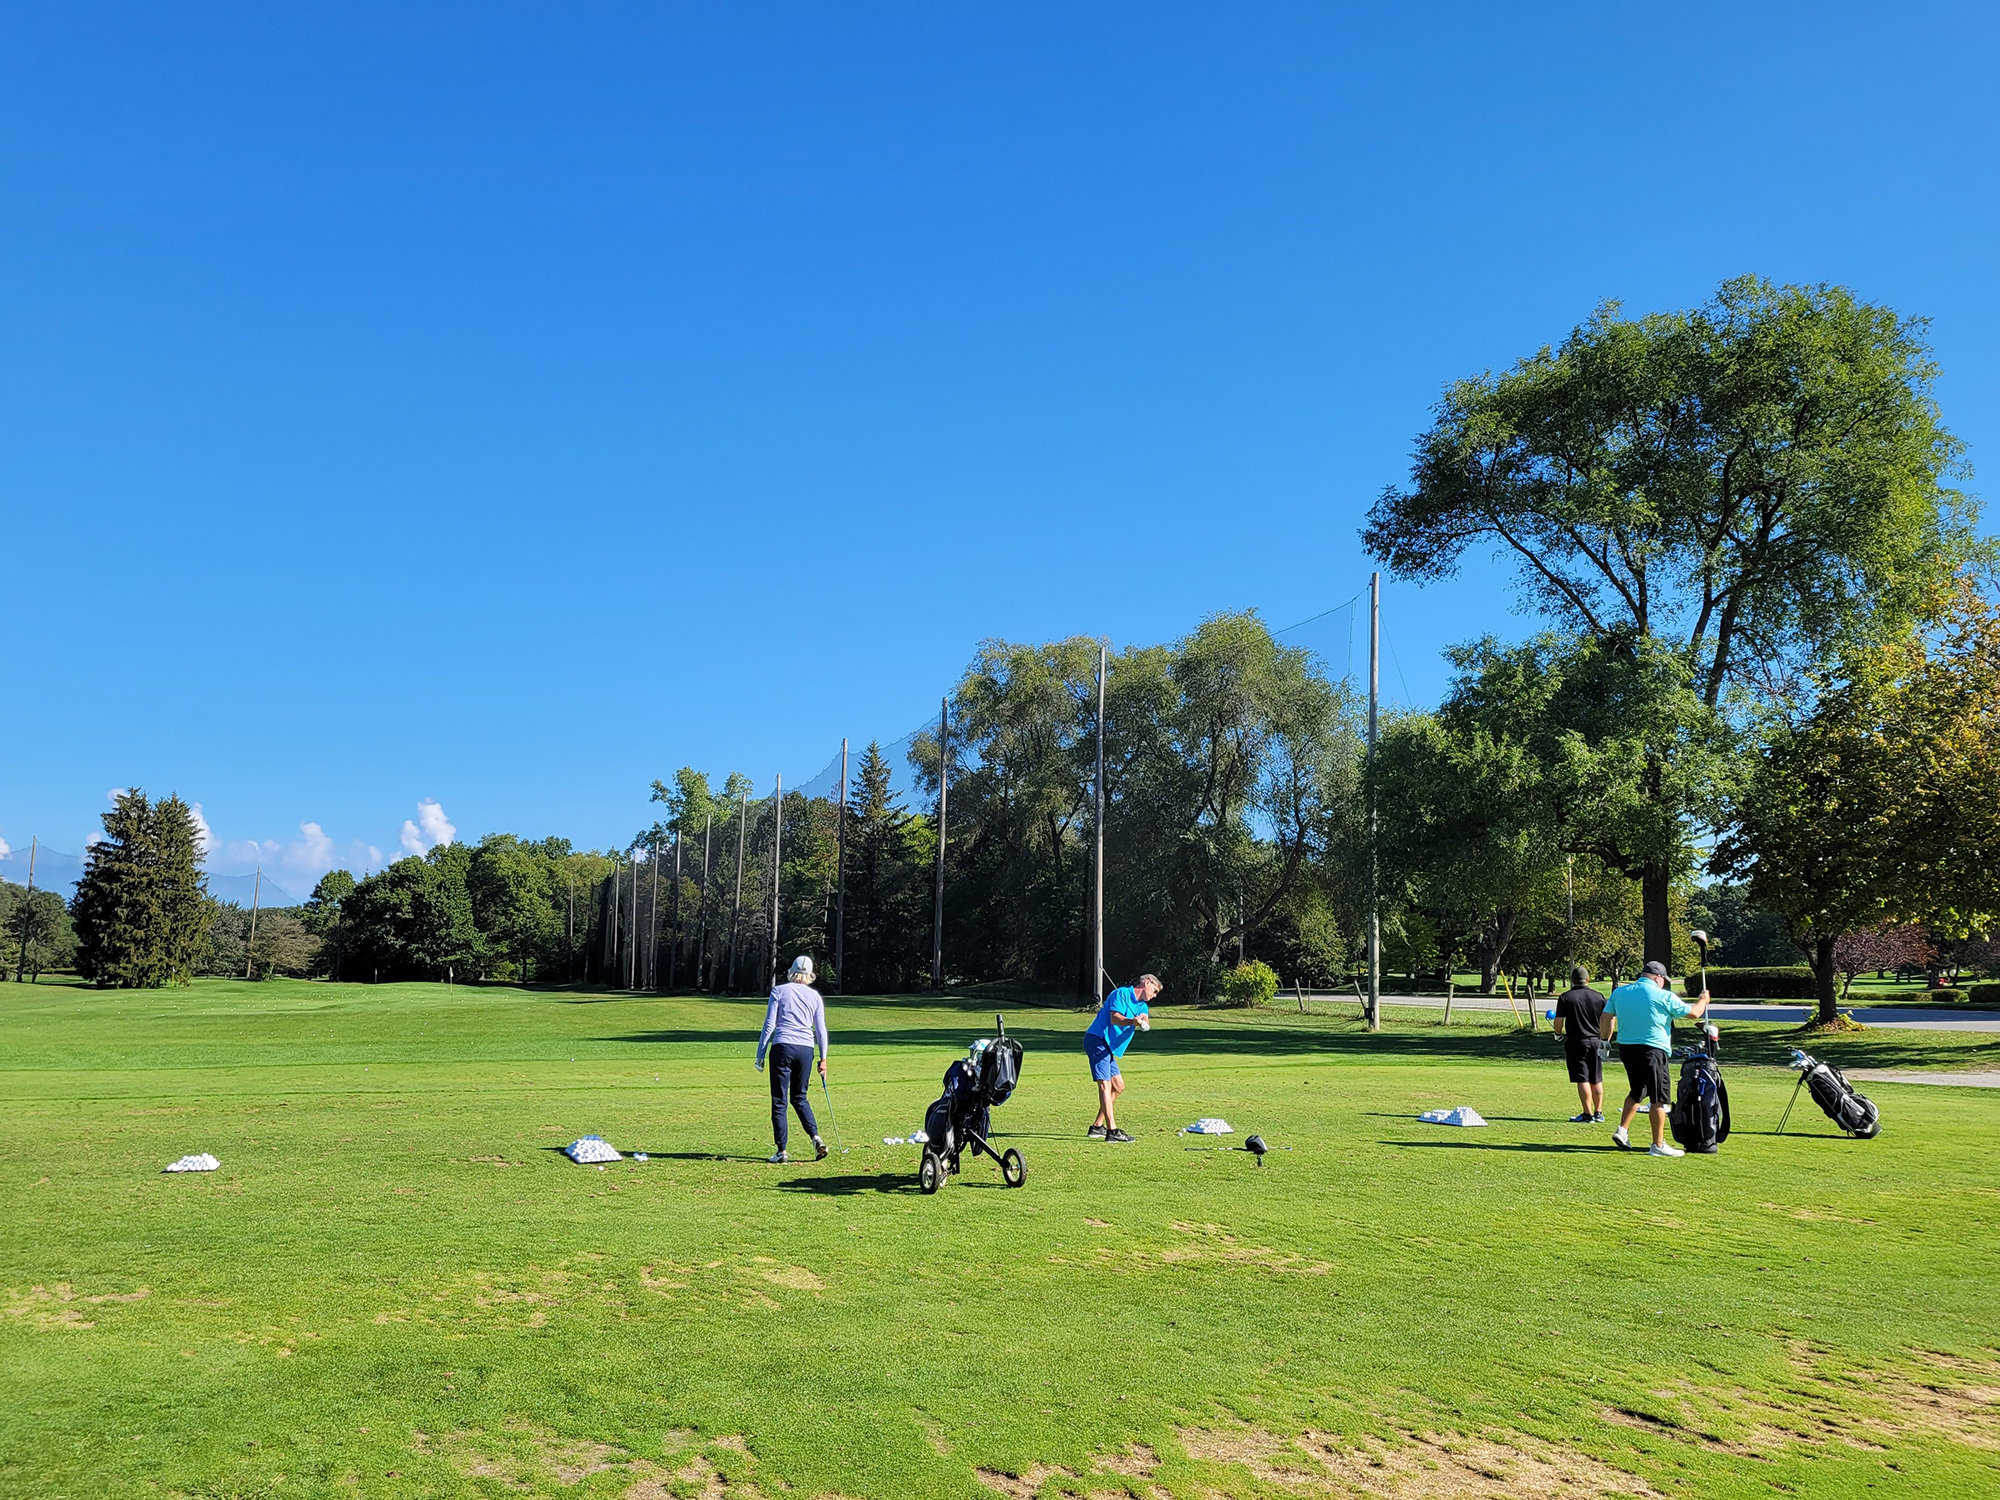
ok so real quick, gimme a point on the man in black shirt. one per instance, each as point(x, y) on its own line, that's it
point(1579, 1018)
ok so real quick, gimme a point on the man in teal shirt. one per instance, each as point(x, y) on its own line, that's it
point(1643, 1013)
point(1122, 1016)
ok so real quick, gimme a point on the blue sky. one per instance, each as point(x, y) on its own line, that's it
point(495, 407)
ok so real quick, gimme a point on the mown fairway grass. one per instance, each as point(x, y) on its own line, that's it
point(396, 1287)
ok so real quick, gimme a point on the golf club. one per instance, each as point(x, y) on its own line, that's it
point(1701, 942)
point(831, 1119)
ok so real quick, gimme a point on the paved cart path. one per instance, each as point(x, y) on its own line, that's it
point(1960, 1080)
point(1893, 1017)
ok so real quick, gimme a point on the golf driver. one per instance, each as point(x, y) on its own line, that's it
point(827, 1094)
point(1701, 942)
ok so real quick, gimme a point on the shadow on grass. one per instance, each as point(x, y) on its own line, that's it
point(1545, 1146)
point(847, 1184)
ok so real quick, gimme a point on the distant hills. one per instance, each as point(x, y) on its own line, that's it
point(56, 871)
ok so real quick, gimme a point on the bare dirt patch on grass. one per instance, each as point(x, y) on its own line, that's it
point(1414, 1465)
point(1214, 1244)
point(529, 1458)
point(61, 1306)
point(1869, 1408)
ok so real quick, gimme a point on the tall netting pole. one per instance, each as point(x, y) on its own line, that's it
point(653, 917)
point(701, 945)
point(673, 953)
point(840, 884)
point(1097, 830)
point(777, 868)
point(937, 910)
point(1374, 821)
point(736, 908)
point(632, 948)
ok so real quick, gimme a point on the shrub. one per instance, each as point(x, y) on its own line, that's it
point(1984, 994)
point(1944, 995)
point(1248, 984)
point(1792, 982)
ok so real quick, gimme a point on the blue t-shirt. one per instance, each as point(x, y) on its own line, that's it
point(1120, 1002)
point(1645, 1013)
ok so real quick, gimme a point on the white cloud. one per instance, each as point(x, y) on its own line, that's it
point(430, 829)
point(296, 865)
point(4, 850)
point(115, 793)
point(203, 833)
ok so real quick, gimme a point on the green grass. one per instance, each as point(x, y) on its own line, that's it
point(396, 1287)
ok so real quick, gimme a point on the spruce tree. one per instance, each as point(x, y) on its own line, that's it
point(141, 908)
point(883, 865)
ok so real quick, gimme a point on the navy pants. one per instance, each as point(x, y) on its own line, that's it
point(791, 1065)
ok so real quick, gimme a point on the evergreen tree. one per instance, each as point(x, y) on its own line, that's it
point(141, 908)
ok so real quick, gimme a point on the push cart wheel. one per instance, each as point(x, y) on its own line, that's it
point(1013, 1171)
point(930, 1173)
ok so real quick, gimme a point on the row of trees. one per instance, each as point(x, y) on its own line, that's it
point(1768, 660)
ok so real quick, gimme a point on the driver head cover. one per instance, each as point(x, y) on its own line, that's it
point(802, 969)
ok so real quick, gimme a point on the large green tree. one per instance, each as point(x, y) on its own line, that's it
point(1882, 805)
point(1756, 485)
point(141, 909)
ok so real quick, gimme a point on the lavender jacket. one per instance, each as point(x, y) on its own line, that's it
point(797, 1015)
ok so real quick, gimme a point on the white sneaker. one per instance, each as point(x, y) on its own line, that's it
point(777, 1156)
point(1663, 1149)
point(1620, 1139)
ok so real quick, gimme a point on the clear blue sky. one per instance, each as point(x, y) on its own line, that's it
point(501, 405)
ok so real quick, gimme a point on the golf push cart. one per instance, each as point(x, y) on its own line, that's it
point(962, 1115)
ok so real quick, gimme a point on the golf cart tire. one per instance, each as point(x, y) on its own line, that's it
point(930, 1173)
point(1013, 1171)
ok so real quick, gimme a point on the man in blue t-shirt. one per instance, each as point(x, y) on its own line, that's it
point(1122, 1015)
point(1643, 1013)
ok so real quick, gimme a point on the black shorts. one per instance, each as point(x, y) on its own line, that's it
point(1585, 1059)
point(1646, 1067)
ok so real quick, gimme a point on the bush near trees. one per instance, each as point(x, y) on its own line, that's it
point(1249, 984)
point(141, 911)
point(1777, 982)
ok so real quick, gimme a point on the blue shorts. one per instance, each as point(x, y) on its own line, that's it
point(1103, 1061)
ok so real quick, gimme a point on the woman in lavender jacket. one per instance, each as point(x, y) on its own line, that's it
point(794, 1020)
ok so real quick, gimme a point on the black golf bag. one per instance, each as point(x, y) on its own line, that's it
point(961, 1116)
point(1700, 1114)
point(1854, 1113)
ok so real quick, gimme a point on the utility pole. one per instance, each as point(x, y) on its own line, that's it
point(937, 910)
point(840, 884)
point(701, 926)
point(28, 914)
point(250, 948)
point(777, 865)
point(1097, 830)
point(632, 948)
point(1374, 820)
point(736, 910)
point(570, 936)
point(1569, 905)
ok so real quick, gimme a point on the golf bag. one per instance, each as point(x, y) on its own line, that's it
point(1854, 1113)
point(1700, 1114)
point(961, 1117)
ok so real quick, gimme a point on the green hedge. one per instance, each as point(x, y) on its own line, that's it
point(1985, 994)
point(1794, 982)
point(1946, 996)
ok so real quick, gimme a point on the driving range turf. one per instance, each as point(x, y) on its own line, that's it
point(395, 1285)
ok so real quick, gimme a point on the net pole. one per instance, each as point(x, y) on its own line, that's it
point(632, 948)
point(673, 953)
point(653, 916)
point(937, 907)
point(701, 944)
point(840, 884)
point(1374, 821)
point(736, 907)
point(777, 868)
point(1097, 830)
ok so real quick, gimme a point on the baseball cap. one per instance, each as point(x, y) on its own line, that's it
point(1655, 969)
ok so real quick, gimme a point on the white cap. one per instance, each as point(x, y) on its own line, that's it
point(802, 967)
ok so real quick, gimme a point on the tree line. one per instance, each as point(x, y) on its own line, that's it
point(1767, 701)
